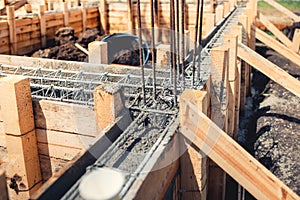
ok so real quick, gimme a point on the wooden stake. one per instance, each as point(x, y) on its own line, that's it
point(269, 69)
point(296, 40)
point(28, 8)
point(103, 16)
point(194, 166)
point(43, 26)
point(130, 16)
point(3, 186)
point(12, 29)
point(98, 52)
point(83, 11)
point(17, 113)
point(219, 13)
point(229, 155)
point(66, 14)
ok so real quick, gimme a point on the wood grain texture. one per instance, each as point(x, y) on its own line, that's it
point(269, 69)
point(231, 157)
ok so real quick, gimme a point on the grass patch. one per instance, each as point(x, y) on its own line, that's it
point(289, 4)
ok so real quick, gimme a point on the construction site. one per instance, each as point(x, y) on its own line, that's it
point(149, 99)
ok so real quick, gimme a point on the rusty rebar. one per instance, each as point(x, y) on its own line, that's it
point(173, 49)
point(200, 37)
point(183, 41)
point(177, 38)
point(195, 42)
point(141, 49)
point(153, 49)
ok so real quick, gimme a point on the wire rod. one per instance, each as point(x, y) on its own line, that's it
point(153, 49)
point(195, 42)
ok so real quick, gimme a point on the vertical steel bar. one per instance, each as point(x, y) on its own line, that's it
point(153, 49)
point(200, 38)
point(182, 41)
point(195, 42)
point(177, 38)
point(140, 49)
point(173, 49)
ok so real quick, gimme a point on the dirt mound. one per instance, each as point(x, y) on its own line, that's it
point(65, 48)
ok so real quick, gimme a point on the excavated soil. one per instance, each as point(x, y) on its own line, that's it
point(120, 51)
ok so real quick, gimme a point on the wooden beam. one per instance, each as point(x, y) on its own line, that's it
point(272, 28)
point(194, 166)
point(296, 40)
point(43, 26)
point(98, 52)
point(83, 12)
point(269, 69)
point(15, 4)
point(130, 16)
point(66, 13)
point(284, 10)
point(12, 29)
point(17, 113)
point(277, 46)
point(3, 185)
point(104, 16)
point(231, 157)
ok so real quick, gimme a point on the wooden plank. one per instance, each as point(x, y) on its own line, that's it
point(194, 166)
point(28, 28)
point(26, 43)
point(296, 40)
point(83, 18)
point(284, 10)
point(231, 157)
point(65, 117)
point(63, 139)
point(5, 49)
point(66, 13)
point(269, 69)
point(272, 28)
point(12, 29)
point(50, 166)
point(56, 151)
point(278, 47)
point(3, 185)
point(104, 16)
point(15, 4)
point(43, 26)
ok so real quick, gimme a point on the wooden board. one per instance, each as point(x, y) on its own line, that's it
point(277, 46)
point(231, 157)
point(269, 69)
point(65, 117)
point(284, 10)
point(278, 34)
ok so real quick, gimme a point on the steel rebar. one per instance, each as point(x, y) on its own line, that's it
point(141, 49)
point(200, 38)
point(173, 49)
point(183, 41)
point(153, 49)
point(195, 42)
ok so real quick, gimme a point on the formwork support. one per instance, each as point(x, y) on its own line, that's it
point(3, 186)
point(230, 156)
point(194, 166)
point(103, 16)
point(43, 26)
point(277, 46)
point(296, 40)
point(237, 30)
point(66, 13)
point(108, 105)
point(269, 69)
point(98, 52)
point(219, 114)
point(231, 41)
point(17, 113)
point(12, 29)
point(83, 12)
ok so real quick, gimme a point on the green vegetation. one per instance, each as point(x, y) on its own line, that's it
point(290, 4)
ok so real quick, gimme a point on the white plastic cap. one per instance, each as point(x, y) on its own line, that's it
point(101, 184)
